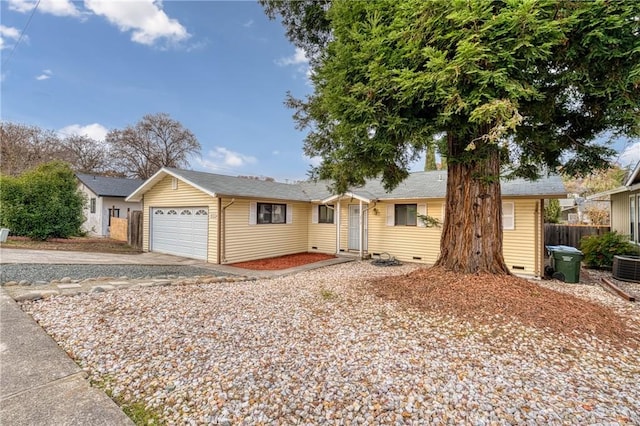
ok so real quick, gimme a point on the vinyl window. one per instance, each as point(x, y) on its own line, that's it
point(325, 214)
point(406, 214)
point(272, 213)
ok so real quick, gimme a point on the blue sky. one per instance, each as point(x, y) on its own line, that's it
point(221, 68)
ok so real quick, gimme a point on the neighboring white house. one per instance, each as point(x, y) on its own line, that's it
point(106, 199)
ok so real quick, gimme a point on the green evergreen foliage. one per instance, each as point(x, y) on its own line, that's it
point(430, 159)
point(430, 221)
point(517, 76)
point(552, 211)
point(42, 203)
point(599, 250)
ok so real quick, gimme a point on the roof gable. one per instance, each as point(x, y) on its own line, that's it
point(104, 186)
point(634, 177)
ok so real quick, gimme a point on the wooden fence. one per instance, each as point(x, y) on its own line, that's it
point(118, 229)
point(134, 234)
point(569, 235)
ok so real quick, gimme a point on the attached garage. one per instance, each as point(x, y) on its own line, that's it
point(181, 231)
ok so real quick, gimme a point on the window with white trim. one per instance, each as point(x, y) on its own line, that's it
point(508, 215)
point(325, 213)
point(634, 218)
point(272, 213)
point(406, 214)
point(92, 205)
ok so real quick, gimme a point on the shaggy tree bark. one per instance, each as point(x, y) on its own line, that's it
point(472, 231)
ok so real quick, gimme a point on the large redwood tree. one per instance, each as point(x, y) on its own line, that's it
point(512, 88)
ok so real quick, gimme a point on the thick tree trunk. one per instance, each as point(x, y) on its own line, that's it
point(472, 230)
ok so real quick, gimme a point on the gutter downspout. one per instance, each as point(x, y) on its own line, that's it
point(223, 226)
point(539, 241)
point(360, 228)
point(338, 225)
point(219, 233)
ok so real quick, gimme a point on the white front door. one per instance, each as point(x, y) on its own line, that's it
point(181, 231)
point(354, 228)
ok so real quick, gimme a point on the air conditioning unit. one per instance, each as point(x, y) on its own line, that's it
point(626, 268)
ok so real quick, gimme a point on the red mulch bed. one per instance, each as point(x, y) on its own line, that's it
point(483, 298)
point(283, 262)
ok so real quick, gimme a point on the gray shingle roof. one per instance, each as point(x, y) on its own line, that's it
point(104, 186)
point(242, 187)
point(418, 185)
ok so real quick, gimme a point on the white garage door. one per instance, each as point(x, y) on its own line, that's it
point(180, 230)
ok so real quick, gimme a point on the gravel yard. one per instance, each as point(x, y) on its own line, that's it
point(319, 348)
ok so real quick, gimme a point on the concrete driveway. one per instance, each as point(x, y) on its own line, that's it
point(8, 255)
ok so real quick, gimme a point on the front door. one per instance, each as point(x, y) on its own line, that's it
point(354, 228)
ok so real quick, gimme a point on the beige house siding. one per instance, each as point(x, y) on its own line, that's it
point(405, 243)
point(518, 243)
point(322, 236)
point(422, 244)
point(620, 220)
point(163, 195)
point(243, 241)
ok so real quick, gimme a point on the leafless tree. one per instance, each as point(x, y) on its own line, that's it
point(23, 147)
point(154, 142)
point(88, 155)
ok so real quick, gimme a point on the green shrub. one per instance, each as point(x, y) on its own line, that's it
point(599, 250)
point(42, 203)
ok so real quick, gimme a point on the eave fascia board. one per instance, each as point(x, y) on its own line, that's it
point(633, 175)
point(157, 177)
point(346, 194)
point(617, 190)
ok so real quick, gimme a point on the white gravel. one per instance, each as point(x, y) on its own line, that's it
point(315, 348)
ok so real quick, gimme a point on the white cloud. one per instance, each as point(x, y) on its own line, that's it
point(630, 155)
point(298, 58)
point(8, 33)
point(54, 7)
point(248, 24)
point(95, 131)
point(145, 18)
point(275, 152)
point(221, 158)
point(299, 61)
point(314, 161)
point(46, 74)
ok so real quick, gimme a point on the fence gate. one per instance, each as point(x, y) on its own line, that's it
point(134, 233)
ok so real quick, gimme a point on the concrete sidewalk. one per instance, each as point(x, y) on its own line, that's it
point(39, 383)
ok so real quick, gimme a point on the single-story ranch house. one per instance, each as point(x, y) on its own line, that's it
point(224, 219)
